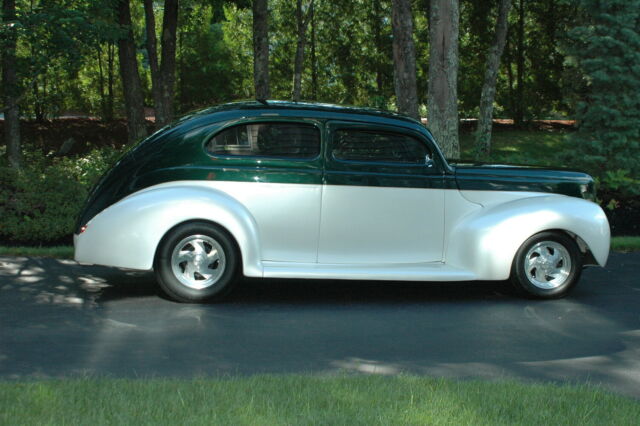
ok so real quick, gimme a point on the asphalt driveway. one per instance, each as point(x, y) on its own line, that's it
point(58, 318)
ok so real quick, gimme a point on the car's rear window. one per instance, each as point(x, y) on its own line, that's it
point(284, 140)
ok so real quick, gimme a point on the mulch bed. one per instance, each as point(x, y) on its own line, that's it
point(87, 133)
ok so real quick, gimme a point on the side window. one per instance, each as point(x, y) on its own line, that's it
point(285, 140)
point(386, 147)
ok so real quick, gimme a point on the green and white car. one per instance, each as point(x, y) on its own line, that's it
point(295, 190)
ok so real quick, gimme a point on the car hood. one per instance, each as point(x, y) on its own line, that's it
point(504, 177)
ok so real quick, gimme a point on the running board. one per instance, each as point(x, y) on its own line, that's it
point(432, 271)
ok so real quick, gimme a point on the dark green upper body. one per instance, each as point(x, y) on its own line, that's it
point(178, 152)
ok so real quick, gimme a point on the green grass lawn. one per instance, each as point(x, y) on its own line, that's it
point(297, 399)
point(625, 244)
point(59, 252)
point(520, 147)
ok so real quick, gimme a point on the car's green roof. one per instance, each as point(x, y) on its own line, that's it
point(306, 106)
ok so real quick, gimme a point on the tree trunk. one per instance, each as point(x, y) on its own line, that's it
point(168, 65)
point(519, 110)
point(261, 49)
point(132, 88)
point(163, 72)
point(485, 120)
point(302, 23)
point(152, 54)
point(110, 62)
point(443, 75)
point(377, 41)
point(103, 99)
point(509, 63)
point(10, 88)
point(38, 99)
point(314, 59)
point(404, 59)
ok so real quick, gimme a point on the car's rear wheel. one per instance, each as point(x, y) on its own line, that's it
point(547, 266)
point(195, 262)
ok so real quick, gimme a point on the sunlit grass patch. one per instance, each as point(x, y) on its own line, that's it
point(625, 244)
point(299, 399)
point(520, 147)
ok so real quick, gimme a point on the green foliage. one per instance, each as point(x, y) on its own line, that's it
point(54, 39)
point(87, 169)
point(67, 61)
point(205, 67)
point(36, 206)
point(607, 49)
point(40, 202)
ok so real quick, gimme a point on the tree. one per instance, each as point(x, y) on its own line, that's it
point(404, 59)
point(38, 40)
point(10, 84)
point(518, 112)
point(485, 119)
point(314, 58)
point(443, 75)
point(606, 47)
point(302, 22)
point(261, 49)
point(106, 99)
point(206, 70)
point(132, 88)
point(162, 72)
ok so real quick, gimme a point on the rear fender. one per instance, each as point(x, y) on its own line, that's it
point(127, 233)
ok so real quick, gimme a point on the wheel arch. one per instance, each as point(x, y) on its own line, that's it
point(129, 232)
point(487, 241)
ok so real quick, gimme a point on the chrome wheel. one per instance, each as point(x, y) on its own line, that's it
point(547, 265)
point(198, 261)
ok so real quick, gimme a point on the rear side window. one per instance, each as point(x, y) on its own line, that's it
point(284, 140)
point(384, 147)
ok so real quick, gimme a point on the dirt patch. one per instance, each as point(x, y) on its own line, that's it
point(86, 133)
point(468, 125)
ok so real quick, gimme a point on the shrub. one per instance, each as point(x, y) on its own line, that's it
point(40, 203)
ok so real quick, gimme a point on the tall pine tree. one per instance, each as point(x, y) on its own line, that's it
point(607, 50)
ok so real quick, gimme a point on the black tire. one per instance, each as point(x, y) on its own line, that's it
point(212, 259)
point(537, 278)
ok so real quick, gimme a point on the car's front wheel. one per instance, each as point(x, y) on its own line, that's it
point(547, 266)
point(195, 262)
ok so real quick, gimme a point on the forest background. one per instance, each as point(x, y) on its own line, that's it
point(82, 78)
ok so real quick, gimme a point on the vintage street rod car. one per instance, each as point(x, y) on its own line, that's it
point(296, 190)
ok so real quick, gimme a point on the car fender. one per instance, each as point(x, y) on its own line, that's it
point(487, 240)
point(127, 233)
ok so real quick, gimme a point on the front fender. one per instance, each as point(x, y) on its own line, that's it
point(486, 241)
point(127, 233)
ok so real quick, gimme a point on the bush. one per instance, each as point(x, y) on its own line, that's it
point(40, 203)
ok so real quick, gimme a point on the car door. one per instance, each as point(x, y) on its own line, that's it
point(274, 169)
point(382, 199)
